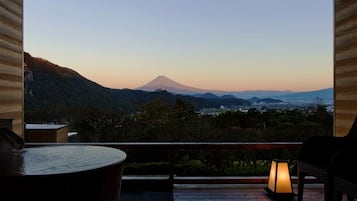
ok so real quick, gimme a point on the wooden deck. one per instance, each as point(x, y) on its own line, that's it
point(254, 192)
point(219, 192)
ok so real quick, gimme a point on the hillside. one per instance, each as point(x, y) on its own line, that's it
point(52, 91)
point(49, 86)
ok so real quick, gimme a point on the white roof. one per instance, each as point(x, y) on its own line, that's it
point(44, 126)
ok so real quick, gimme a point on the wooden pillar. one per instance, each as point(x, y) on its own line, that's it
point(11, 63)
point(345, 65)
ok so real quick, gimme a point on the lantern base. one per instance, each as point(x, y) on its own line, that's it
point(280, 196)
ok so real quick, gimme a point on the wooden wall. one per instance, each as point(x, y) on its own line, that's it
point(345, 65)
point(11, 63)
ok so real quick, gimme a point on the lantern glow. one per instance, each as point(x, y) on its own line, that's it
point(279, 183)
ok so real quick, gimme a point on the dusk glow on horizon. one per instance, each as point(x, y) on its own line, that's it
point(232, 45)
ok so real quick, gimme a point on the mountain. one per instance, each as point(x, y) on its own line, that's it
point(264, 100)
point(206, 95)
point(49, 86)
point(270, 96)
point(54, 91)
point(133, 98)
point(259, 93)
point(164, 83)
point(324, 96)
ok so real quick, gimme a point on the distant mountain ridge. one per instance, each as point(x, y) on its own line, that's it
point(53, 90)
point(324, 95)
point(164, 83)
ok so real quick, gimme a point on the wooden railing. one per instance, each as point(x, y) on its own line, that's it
point(172, 147)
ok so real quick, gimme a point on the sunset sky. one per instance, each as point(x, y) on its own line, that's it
point(231, 45)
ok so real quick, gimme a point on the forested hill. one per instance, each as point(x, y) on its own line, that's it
point(52, 88)
point(52, 91)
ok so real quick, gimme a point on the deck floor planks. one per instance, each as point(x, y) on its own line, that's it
point(238, 193)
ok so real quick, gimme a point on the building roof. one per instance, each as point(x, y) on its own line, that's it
point(44, 126)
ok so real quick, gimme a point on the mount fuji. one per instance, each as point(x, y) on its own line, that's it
point(164, 83)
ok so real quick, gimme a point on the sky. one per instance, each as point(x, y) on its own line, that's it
point(232, 45)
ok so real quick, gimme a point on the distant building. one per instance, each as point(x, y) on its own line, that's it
point(46, 133)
